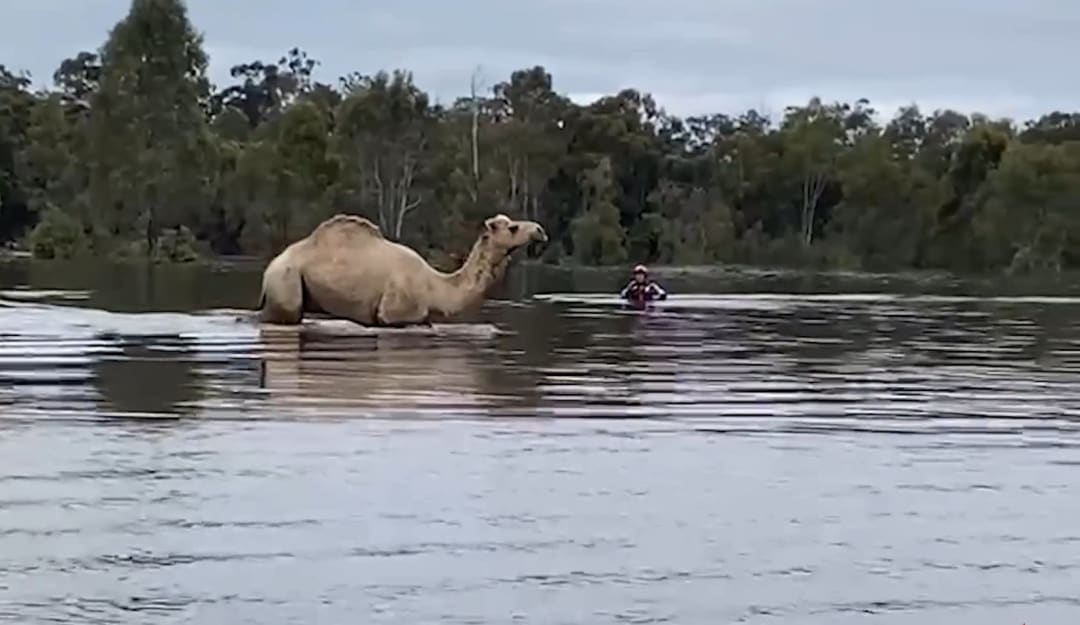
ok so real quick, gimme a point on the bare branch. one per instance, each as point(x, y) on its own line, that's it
point(405, 210)
point(380, 193)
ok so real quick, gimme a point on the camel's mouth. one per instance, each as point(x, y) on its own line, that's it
point(535, 249)
point(537, 245)
point(534, 246)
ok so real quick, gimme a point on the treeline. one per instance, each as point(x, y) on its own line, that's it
point(134, 153)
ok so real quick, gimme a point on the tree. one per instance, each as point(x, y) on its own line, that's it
point(79, 78)
point(131, 150)
point(887, 204)
point(531, 136)
point(16, 104)
point(1031, 218)
point(147, 124)
point(266, 89)
point(383, 131)
point(598, 236)
point(814, 138)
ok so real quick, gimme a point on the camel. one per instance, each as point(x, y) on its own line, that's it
point(346, 268)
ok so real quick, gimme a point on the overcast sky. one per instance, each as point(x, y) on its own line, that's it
point(1003, 57)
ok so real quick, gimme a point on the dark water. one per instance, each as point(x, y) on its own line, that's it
point(761, 449)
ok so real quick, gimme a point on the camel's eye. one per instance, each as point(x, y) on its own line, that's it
point(514, 229)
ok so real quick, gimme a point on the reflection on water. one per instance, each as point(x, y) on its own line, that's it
point(379, 375)
point(818, 457)
point(151, 375)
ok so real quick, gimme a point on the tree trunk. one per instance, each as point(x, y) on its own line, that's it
point(150, 238)
point(813, 188)
point(475, 141)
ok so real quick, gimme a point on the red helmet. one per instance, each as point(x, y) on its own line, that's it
point(640, 269)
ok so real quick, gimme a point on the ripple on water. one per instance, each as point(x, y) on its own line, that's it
point(695, 360)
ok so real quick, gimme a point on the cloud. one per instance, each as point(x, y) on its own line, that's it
point(695, 56)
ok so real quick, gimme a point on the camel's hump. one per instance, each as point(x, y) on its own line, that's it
point(347, 224)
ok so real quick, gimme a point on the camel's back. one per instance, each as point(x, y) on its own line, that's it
point(345, 231)
point(348, 256)
point(354, 240)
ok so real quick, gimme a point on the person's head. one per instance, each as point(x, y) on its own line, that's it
point(640, 273)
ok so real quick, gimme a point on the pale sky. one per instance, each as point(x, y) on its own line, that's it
point(1001, 57)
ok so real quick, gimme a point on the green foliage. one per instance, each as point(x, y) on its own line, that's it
point(147, 123)
point(134, 153)
point(1030, 218)
point(57, 235)
point(383, 128)
point(177, 245)
point(597, 234)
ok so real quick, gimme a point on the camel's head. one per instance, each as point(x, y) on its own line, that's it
point(508, 235)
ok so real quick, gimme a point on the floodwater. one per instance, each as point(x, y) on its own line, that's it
point(759, 449)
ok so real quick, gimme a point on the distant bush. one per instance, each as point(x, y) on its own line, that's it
point(173, 245)
point(57, 235)
point(177, 245)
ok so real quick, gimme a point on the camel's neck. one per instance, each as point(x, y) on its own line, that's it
point(468, 286)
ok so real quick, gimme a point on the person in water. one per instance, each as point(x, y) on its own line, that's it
point(641, 288)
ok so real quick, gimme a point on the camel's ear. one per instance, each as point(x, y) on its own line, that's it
point(489, 223)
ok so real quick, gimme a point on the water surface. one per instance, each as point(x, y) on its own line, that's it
point(771, 448)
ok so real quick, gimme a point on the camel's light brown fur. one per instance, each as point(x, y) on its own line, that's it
point(346, 268)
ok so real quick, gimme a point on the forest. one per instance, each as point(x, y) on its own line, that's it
point(133, 153)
